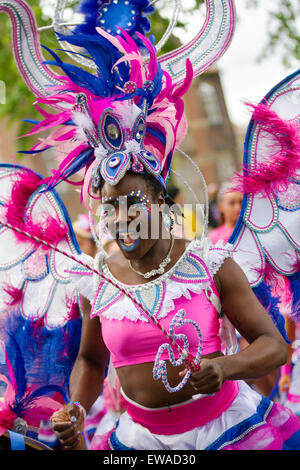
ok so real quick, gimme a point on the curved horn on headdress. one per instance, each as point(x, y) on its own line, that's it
point(207, 46)
point(203, 50)
point(26, 47)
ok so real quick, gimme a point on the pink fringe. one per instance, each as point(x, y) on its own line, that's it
point(276, 172)
point(72, 308)
point(269, 274)
point(36, 324)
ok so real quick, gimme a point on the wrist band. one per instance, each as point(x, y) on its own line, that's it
point(286, 369)
point(77, 403)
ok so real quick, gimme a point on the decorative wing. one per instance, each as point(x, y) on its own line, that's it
point(39, 307)
point(266, 238)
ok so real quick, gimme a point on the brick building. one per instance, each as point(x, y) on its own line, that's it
point(211, 140)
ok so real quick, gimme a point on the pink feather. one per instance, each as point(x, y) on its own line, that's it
point(15, 295)
point(275, 173)
point(73, 309)
point(48, 228)
point(166, 113)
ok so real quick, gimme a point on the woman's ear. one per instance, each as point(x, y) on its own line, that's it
point(161, 199)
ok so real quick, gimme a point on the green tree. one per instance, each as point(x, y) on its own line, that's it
point(283, 29)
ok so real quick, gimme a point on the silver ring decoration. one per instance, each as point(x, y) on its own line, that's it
point(160, 366)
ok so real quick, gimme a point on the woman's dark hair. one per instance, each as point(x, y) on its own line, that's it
point(173, 191)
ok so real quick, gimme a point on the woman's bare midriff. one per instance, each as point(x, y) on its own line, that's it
point(138, 385)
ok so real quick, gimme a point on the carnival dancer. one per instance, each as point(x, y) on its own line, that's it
point(125, 123)
point(167, 277)
point(156, 419)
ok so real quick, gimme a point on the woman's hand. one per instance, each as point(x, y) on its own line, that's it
point(208, 379)
point(68, 425)
point(284, 383)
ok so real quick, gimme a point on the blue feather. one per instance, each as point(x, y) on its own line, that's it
point(48, 390)
point(104, 55)
point(270, 303)
point(89, 8)
point(19, 369)
point(31, 152)
point(81, 161)
point(115, 16)
point(38, 345)
point(295, 288)
point(31, 121)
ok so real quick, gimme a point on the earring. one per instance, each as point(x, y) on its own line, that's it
point(168, 221)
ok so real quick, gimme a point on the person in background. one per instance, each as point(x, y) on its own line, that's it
point(188, 226)
point(229, 205)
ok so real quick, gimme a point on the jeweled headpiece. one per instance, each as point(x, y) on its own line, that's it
point(128, 113)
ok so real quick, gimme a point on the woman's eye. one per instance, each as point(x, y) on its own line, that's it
point(135, 208)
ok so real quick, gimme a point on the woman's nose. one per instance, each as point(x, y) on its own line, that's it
point(122, 213)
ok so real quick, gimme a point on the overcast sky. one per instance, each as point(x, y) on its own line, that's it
point(243, 77)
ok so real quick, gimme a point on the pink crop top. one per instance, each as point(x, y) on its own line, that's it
point(133, 342)
point(131, 337)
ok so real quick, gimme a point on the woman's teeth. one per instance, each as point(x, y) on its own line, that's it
point(127, 237)
point(127, 241)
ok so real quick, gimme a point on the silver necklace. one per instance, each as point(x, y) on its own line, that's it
point(162, 266)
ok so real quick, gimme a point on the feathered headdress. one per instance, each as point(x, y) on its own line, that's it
point(128, 116)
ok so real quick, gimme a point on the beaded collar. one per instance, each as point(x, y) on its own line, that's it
point(190, 274)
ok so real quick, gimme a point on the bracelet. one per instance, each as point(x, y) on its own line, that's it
point(77, 403)
point(286, 369)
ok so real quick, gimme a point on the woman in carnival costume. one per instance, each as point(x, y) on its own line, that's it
point(229, 205)
point(125, 122)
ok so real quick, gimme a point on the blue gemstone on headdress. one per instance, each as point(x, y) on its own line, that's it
point(148, 85)
point(114, 167)
point(114, 161)
point(129, 15)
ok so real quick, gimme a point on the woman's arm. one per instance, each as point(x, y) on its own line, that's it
point(86, 382)
point(267, 349)
point(87, 376)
